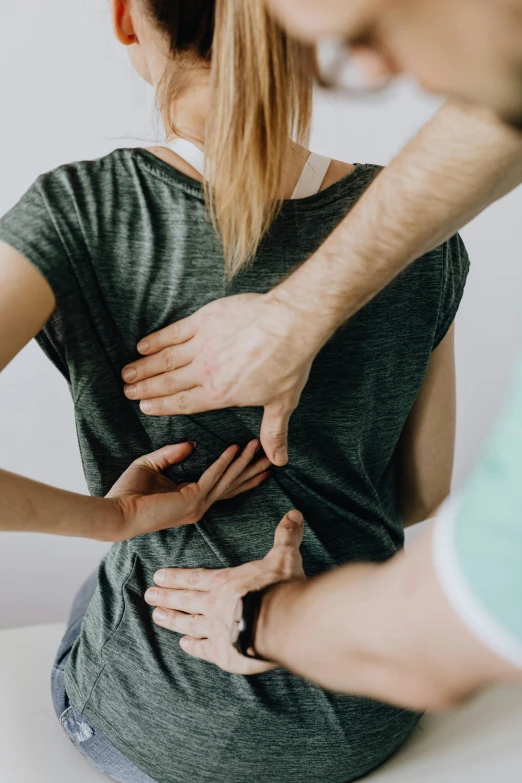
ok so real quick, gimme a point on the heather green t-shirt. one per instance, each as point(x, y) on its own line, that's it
point(127, 246)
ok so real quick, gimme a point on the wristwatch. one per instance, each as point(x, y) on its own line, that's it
point(251, 607)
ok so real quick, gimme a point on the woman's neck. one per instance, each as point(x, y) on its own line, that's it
point(188, 115)
point(188, 118)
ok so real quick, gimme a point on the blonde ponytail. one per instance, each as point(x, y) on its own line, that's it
point(261, 95)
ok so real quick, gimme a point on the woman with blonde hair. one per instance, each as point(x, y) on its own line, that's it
point(107, 251)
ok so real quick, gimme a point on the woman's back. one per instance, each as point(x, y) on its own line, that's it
point(128, 247)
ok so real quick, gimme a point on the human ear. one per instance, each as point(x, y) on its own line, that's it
point(122, 22)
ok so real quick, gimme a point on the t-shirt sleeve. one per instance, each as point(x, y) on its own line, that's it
point(478, 540)
point(30, 228)
point(455, 268)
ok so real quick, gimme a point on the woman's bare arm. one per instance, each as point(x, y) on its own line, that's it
point(427, 446)
point(26, 303)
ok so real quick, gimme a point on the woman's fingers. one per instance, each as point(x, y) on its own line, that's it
point(246, 486)
point(194, 625)
point(253, 469)
point(233, 472)
point(161, 459)
point(188, 601)
point(213, 474)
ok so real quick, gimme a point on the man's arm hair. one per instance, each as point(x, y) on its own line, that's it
point(459, 163)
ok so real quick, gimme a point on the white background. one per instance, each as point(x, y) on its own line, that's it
point(67, 92)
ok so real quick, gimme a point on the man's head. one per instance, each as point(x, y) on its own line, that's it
point(469, 49)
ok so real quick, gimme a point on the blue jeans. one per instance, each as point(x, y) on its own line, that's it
point(86, 737)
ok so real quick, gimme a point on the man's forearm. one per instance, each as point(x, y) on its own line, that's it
point(30, 507)
point(384, 631)
point(460, 162)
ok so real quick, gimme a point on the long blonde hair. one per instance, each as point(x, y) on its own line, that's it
point(261, 97)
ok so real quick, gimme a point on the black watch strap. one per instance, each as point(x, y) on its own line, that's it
point(244, 643)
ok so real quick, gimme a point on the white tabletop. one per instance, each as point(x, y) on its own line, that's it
point(481, 742)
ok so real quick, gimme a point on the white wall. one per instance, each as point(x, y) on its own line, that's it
point(67, 92)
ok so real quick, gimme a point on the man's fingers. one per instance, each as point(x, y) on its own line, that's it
point(185, 403)
point(289, 532)
point(274, 433)
point(169, 455)
point(171, 358)
point(194, 625)
point(198, 648)
point(205, 651)
point(168, 383)
point(186, 578)
point(188, 601)
point(178, 332)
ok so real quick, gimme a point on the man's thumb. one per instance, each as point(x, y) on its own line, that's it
point(289, 531)
point(274, 434)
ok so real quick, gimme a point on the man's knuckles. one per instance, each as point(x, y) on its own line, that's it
point(285, 561)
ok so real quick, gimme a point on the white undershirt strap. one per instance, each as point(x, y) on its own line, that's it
point(189, 152)
point(309, 184)
point(312, 176)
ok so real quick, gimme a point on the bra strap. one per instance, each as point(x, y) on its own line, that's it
point(312, 176)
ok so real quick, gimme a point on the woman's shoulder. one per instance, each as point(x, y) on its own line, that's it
point(341, 172)
point(88, 171)
point(337, 170)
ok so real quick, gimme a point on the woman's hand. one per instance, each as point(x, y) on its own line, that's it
point(205, 605)
point(147, 501)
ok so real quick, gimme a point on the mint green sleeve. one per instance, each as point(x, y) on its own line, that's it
point(479, 549)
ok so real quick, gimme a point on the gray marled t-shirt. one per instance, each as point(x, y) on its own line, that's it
point(127, 246)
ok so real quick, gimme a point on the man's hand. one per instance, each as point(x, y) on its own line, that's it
point(148, 501)
point(205, 605)
point(250, 349)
